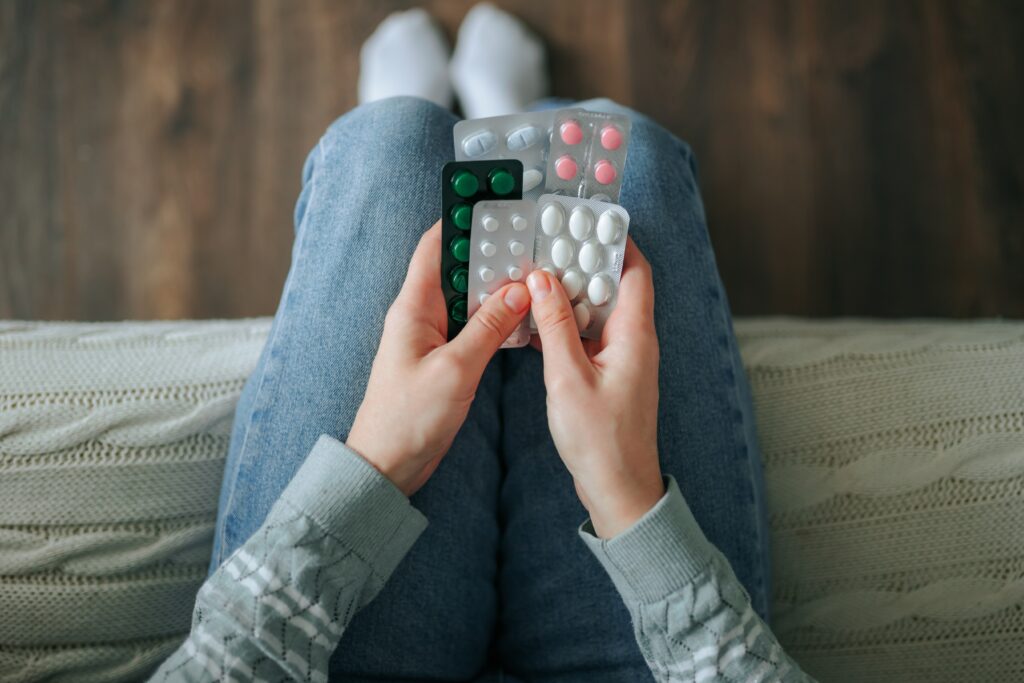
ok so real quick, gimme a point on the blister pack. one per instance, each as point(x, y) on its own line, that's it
point(587, 154)
point(525, 137)
point(463, 184)
point(501, 251)
point(583, 243)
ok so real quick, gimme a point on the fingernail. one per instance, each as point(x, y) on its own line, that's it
point(517, 298)
point(539, 285)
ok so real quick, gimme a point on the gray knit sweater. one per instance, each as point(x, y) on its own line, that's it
point(279, 606)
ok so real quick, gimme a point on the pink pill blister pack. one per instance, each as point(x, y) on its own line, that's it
point(587, 154)
point(583, 243)
point(501, 251)
point(525, 137)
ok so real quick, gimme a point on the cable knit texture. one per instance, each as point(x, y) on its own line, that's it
point(893, 457)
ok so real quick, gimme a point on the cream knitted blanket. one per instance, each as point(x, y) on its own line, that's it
point(894, 456)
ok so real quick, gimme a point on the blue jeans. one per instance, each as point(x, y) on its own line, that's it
point(499, 581)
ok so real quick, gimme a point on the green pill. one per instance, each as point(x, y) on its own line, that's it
point(459, 279)
point(502, 181)
point(462, 216)
point(457, 310)
point(465, 183)
point(459, 247)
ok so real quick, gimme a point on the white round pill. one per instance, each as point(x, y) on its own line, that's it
point(581, 223)
point(516, 248)
point(582, 314)
point(561, 252)
point(573, 281)
point(486, 274)
point(515, 272)
point(608, 226)
point(599, 290)
point(532, 178)
point(490, 223)
point(590, 258)
point(483, 297)
point(488, 248)
point(548, 268)
point(519, 223)
point(551, 220)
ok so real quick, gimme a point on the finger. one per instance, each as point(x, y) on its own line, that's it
point(556, 324)
point(633, 317)
point(422, 287)
point(489, 327)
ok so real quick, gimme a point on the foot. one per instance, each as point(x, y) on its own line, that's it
point(406, 55)
point(499, 66)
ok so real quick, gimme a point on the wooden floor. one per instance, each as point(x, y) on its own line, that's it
point(857, 158)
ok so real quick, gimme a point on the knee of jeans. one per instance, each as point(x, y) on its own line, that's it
point(395, 117)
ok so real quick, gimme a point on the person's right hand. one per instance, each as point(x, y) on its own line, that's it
point(602, 397)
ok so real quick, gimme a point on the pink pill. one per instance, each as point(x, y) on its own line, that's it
point(611, 137)
point(571, 133)
point(604, 172)
point(565, 167)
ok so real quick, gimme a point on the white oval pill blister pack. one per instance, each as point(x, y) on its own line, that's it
point(583, 243)
point(501, 247)
point(587, 154)
point(525, 137)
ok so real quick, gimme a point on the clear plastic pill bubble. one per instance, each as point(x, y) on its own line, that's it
point(599, 291)
point(581, 223)
point(590, 258)
point(483, 297)
point(489, 223)
point(604, 172)
point(516, 248)
point(488, 249)
point(609, 225)
point(548, 268)
point(566, 168)
point(611, 137)
point(486, 274)
point(572, 282)
point(515, 272)
point(519, 223)
point(532, 178)
point(571, 133)
point(582, 314)
point(524, 137)
point(551, 219)
point(561, 252)
point(479, 144)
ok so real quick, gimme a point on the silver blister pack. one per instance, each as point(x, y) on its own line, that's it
point(587, 154)
point(525, 137)
point(501, 251)
point(583, 243)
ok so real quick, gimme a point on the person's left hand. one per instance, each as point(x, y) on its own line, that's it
point(421, 387)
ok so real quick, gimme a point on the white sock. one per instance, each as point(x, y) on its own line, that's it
point(406, 55)
point(499, 66)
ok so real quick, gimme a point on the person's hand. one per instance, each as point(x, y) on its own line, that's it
point(420, 387)
point(603, 396)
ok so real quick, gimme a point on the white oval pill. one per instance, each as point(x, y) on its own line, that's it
point(573, 281)
point(561, 252)
point(486, 274)
point(581, 223)
point(483, 297)
point(516, 248)
point(608, 226)
point(519, 223)
point(551, 219)
point(515, 272)
point(523, 137)
point(590, 258)
point(488, 248)
point(531, 179)
point(490, 223)
point(582, 314)
point(599, 290)
point(479, 143)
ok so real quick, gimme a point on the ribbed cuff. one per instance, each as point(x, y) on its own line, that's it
point(356, 504)
point(661, 553)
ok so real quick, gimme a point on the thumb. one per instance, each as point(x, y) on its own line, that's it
point(489, 327)
point(556, 324)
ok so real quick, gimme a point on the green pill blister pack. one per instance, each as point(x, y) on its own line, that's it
point(463, 184)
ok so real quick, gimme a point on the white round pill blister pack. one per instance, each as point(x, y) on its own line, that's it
point(583, 243)
point(525, 137)
point(501, 244)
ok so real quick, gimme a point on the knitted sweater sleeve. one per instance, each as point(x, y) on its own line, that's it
point(277, 608)
point(691, 617)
